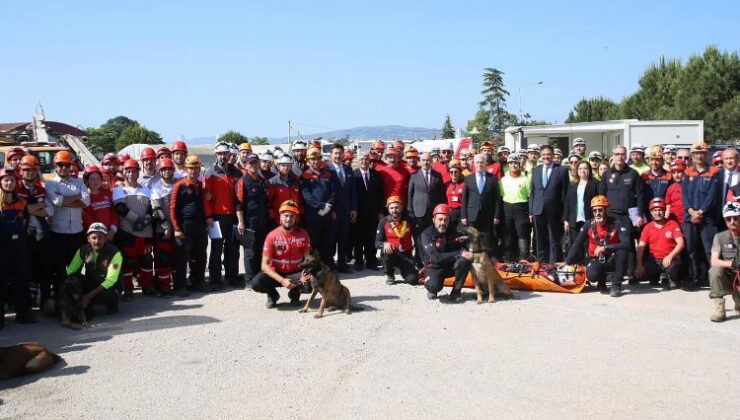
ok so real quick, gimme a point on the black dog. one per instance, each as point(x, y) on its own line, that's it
point(73, 314)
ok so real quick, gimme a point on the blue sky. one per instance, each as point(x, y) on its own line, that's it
point(201, 68)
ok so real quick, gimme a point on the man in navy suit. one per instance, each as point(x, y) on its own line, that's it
point(346, 206)
point(548, 186)
point(481, 201)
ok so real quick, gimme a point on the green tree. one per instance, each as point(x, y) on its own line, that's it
point(656, 96)
point(257, 141)
point(594, 109)
point(494, 102)
point(232, 136)
point(481, 122)
point(726, 121)
point(101, 140)
point(137, 134)
point(448, 132)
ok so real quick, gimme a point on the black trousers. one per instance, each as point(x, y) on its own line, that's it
point(322, 232)
point(653, 268)
point(596, 271)
point(420, 225)
point(192, 247)
point(436, 276)
point(226, 246)
point(65, 246)
point(405, 264)
point(40, 274)
point(343, 240)
point(363, 236)
point(699, 247)
point(632, 250)
point(14, 271)
point(253, 254)
point(262, 283)
point(549, 233)
point(108, 298)
point(517, 230)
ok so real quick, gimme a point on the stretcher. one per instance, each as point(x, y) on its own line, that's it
point(537, 277)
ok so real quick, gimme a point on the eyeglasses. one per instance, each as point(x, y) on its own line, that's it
point(597, 210)
point(732, 218)
point(64, 165)
point(682, 157)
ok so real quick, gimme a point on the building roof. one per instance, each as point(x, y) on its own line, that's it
point(55, 126)
point(594, 126)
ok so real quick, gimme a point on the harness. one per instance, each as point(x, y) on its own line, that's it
point(599, 240)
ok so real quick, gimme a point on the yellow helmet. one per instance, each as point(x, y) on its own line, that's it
point(654, 152)
point(245, 146)
point(699, 147)
point(192, 161)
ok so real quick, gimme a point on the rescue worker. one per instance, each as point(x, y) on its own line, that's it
point(604, 241)
point(579, 147)
point(163, 153)
point(234, 153)
point(319, 187)
point(179, 154)
point(38, 238)
point(395, 178)
point(101, 209)
point(68, 197)
point(434, 155)
point(220, 207)
point(685, 155)
point(594, 159)
point(486, 148)
point(285, 248)
point(623, 187)
point(112, 163)
point(377, 149)
point(132, 202)
point(266, 160)
point(245, 149)
point(188, 219)
point(349, 157)
point(454, 193)
point(637, 159)
point(252, 198)
point(669, 156)
point(717, 159)
point(656, 179)
point(394, 240)
point(557, 156)
point(699, 195)
point(441, 165)
point(283, 187)
point(148, 174)
point(664, 241)
point(515, 195)
point(444, 256)
point(533, 156)
point(299, 151)
point(412, 159)
point(102, 263)
point(724, 277)
point(464, 165)
point(14, 257)
point(164, 241)
point(674, 203)
point(13, 161)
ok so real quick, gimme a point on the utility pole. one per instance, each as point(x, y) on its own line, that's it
point(289, 132)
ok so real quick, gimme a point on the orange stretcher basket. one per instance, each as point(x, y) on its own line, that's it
point(536, 277)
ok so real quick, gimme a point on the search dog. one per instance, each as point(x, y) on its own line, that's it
point(23, 358)
point(333, 293)
point(73, 315)
point(483, 270)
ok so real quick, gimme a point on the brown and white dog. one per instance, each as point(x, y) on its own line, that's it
point(23, 358)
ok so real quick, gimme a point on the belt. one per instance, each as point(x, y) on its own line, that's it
point(279, 261)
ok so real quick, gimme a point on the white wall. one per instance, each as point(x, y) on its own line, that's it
point(649, 134)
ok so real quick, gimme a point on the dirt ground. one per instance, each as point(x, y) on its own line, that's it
point(648, 354)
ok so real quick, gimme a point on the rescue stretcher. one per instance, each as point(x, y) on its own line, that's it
point(537, 277)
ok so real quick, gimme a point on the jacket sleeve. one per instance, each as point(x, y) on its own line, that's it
point(434, 255)
point(498, 201)
point(308, 196)
point(208, 189)
point(352, 191)
point(601, 190)
point(577, 250)
point(380, 233)
point(333, 190)
point(640, 195)
point(173, 207)
point(567, 203)
point(624, 238)
point(240, 204)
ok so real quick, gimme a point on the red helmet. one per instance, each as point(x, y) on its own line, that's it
point(16, 151)
point(163, 151)
point(717, 158)
point(166, 163)
point(377, 145)
point(147, 153)
point(123, 156)
point(111, 157)
point(441, 209)
point(678, 166)
point(131, 164)
point(6, 171)
point(180, 146)
point(657, 202)
point(91, 169)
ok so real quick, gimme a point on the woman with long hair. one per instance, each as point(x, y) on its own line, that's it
point(577, 208)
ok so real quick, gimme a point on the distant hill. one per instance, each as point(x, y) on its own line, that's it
point(383, 132)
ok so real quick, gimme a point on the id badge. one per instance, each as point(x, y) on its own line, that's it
point(455, 199)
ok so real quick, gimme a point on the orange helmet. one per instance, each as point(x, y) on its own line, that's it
point(192, 161)
point(288, 206)
point(392, 199)
point(441, 209)
point(314, 153)
point(377, 145)
point(657, 202)
point(349, 156)
point(599, 201)
point(411, 152)
point(29, 162)
point(63, 156)
point(180, 146)
point(166, 163)
point(147, 153)
point(131, 164)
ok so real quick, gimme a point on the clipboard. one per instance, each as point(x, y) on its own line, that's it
point(247, 239)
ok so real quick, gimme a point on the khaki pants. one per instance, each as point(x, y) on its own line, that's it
point(720, 282)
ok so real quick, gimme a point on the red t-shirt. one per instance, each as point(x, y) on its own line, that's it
point(286, 249)
point(444, 171)
point(673, 199)
point(100, 210)
point(454, 194)
point(661, 241)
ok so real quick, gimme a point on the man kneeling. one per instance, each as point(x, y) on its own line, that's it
point(394, 241)
point(444, 255)
point(284, 250)
point(102, 263)
point(664, 240)
point(725, 263)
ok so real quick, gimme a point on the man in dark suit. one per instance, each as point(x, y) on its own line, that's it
point(370, 210)
point(481, 201)
point(346, 206)
point(426, 190)
point(548, 186)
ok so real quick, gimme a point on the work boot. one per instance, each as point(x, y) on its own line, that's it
point(616, 290)
point(390, 279)
point(128, 295)
point(271, 301)
point(431, 295)
point(666, 282)
point(455, 297)
point(736, 298)
point(295, 298)
point(719, 310)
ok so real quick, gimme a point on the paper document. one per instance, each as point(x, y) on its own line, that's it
point(634, 215)
point(214, 232)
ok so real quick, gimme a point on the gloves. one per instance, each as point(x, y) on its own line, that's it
point(736, 264)
point(142, 222)
point(325, 210)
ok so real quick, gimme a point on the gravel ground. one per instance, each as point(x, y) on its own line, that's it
point(648, 354)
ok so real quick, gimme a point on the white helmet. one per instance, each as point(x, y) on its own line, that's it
point(669, 148)
point(234, 149)
point(638, 148)
point(502, 149)
point(533, 148)
point(731, 209)
point(579, 141)
point(285, 160)
point(299, 145)
point(267, 157)
point(97, 227)
point(221, 147)
point(595, 155)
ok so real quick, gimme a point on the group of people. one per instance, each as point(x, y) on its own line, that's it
point(654, 219)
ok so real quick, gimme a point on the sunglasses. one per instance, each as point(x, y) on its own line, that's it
point(597, 210)
point(732, 218)
point(64, 165)
point(682, 157)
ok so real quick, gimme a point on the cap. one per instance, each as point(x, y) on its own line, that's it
point(16, 151)
point(446, 147)
point(454, 163)
point(669, 148)
point(411, 152)
point(557, 152)
point(29, 162)
point(391, 151)
point(486, 145)
point(314, 153)
point(377, 145)
point(252, 158)
point(654, 152)
point(111, 157)
point(514, 158)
